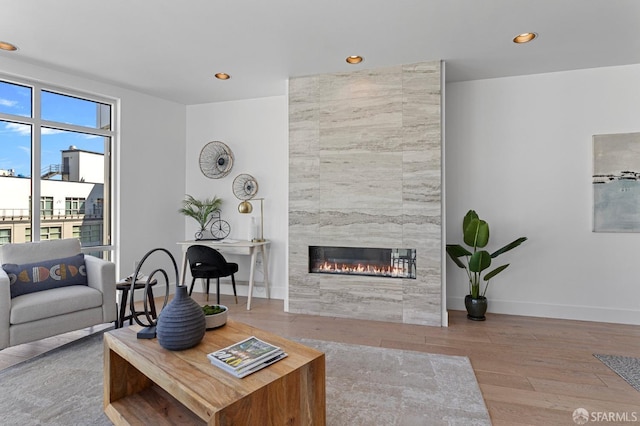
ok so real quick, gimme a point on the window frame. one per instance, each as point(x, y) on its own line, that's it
point(4, 236)
point(46, 205)
point(74, 205)
point(110, 136)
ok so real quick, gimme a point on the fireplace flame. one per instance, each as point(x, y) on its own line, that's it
point(386, 271)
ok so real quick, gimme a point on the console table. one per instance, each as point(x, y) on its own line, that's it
point(147, 384)
point(246, 248)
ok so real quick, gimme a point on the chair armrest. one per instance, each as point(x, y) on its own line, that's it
point(101, 275)
point(5, 309)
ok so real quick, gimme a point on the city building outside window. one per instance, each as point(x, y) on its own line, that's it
point(56, 147)
point(5, 236)
point(74, 205)
point(46, 233)
point(46, 206)
point(89, 235)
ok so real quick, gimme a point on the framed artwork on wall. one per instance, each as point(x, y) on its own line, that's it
point(616, 182)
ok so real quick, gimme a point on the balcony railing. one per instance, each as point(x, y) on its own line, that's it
point(57, 214)
point(50, 171)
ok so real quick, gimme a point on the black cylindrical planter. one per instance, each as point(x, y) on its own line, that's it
point(476, 308)
point(181, 324)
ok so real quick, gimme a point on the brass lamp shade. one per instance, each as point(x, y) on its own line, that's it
point(245, 207)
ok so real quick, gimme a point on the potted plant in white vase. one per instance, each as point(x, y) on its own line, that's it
point(201, 211)
point(215, 315)
point(476, 235)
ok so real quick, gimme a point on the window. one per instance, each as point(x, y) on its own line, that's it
point(89, 235)
point(46, 206)
point(51, 233)
point(98, 206)
point(56, 147)
point(46, 233)
point(74, 205)
point(5, 236)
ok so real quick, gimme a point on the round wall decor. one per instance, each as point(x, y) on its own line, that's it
point(216, 160)
point(245, 187)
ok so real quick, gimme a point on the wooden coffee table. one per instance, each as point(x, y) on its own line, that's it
point(147, 384)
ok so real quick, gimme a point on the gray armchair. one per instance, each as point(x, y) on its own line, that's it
point(34, 316)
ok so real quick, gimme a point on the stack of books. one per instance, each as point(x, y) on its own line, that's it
point(246, 357)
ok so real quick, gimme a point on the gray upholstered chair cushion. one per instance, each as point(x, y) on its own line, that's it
point(54, 302)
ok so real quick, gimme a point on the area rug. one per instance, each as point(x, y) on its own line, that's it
point(624, 366)
point(365, 386)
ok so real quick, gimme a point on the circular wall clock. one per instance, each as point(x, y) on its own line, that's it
point(245, 187)
point(216, 160)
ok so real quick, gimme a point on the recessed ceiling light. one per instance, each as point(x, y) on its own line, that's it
point(222, 76)
point(524, 38)
point(354, 59)
point(7, 46)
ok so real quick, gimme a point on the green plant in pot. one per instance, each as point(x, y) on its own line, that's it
point(215, 315)
point(477, 260)
point(200, 210)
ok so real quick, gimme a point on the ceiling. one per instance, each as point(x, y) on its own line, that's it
point(171, 49)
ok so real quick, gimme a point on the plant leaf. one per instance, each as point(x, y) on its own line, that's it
point(495, 272)
point(509, 246)
point(479, 261)
point(476, 234)
point(456, 250)
point(471, 214)
point(458, 262)
point(199, 210)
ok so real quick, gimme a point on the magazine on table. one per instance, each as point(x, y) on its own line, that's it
point(242, 356)
point(256, 366)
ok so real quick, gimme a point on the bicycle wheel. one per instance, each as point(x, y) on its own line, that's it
point(220, 229)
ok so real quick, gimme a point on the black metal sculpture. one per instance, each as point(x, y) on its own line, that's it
point(149, 330)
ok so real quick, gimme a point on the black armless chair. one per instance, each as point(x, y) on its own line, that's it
point(207, 263)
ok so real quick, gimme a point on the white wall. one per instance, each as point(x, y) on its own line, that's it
point(256, 131)
point(150, 161)
point(519, 152)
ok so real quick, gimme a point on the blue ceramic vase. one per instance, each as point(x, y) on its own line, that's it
point(181, 324)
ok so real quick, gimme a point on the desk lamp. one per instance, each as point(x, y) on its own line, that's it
point(245, 187)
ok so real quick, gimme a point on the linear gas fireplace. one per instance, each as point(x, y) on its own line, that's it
point(379, 262)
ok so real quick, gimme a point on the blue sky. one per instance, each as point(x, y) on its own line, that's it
point(15, 138)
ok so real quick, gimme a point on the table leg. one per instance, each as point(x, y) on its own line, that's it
point(123, 307)
point(265, 268)
point(251, 276)
point(184, 267)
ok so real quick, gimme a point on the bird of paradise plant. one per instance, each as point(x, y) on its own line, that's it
point(476, 236)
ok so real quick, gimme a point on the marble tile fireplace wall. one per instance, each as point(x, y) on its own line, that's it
point(365, 171)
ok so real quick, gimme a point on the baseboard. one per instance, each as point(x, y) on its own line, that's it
point(546, 310)
point(242, 287)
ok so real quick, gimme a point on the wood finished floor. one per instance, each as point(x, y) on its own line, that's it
point(531, 371)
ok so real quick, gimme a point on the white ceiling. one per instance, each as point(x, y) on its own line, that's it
point(171, 48)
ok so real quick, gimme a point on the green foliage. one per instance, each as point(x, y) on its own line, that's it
point(212, 310)
point(200, 210)
point(475, 232)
